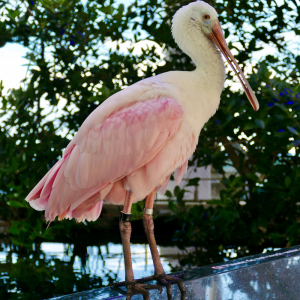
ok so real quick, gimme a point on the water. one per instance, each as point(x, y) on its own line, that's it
point(105, 261)
point(52, 269)
point(272, 275)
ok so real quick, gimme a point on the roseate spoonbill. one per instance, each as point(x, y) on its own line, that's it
point(130, 145)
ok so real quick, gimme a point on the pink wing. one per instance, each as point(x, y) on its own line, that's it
point(124, 142)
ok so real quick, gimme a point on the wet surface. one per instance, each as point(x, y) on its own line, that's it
point(53, 269)
point(273, 275)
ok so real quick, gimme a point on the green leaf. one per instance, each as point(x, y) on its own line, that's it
point(176, 190)
point(108, 9)
point(277, 238)
point(121, 9)
point(226, 215)
point(249, 126)
point(254, 226)
point(17, 203)
point(173, 206)
point(279, 207)
point(252, 177)
point(262, 221)
point(216, 202)
point(260, 190)
point(226, 33)
point(168, 194)
point(13, 14)
point(15, 241)
point(282, 107)
point(105, 91)
point(193, 182)
point(179, 198)
point(260, 123)
point(287, 181)
point(94, 98)
point(14, 230)
point(292, 130)
point(22, 19)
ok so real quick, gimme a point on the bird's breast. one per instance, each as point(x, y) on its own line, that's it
point(198, 96)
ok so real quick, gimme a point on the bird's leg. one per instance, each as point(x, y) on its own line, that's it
point(149, 230)
point(159, 274)
point(133, 288)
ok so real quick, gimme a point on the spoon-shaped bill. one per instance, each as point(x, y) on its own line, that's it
point(217, 36)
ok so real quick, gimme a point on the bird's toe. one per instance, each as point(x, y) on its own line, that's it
point(166, 280)
point(135, 288)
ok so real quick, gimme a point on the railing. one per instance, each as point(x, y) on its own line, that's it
point(273, 275)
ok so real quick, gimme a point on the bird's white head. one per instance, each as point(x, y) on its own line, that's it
point(196, 26)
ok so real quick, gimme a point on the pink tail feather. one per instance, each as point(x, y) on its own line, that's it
point(89, 208)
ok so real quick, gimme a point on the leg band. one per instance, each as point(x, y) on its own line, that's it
point(148, 211)
point(125, 217)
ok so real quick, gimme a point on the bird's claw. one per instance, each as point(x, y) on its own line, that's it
point(166, 281)
point(135, 288)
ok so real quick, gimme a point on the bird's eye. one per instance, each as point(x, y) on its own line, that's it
point(206, 17)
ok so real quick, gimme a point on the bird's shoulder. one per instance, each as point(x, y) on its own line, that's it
point(149, 89)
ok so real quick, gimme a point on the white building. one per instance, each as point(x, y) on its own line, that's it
point(201, 192)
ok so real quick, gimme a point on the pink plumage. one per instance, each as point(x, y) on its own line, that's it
point(131, 144)
point(129, 147)
point(139, 136)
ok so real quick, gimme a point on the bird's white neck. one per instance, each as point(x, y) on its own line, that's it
point(209, 66)
point(204, 85)
point(192, 41)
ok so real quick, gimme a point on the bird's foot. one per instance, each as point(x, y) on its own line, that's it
point(166, 281)
point(135, 288)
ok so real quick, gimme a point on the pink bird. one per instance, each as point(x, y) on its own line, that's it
point(127, 149)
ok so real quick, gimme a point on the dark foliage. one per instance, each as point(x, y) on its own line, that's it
point(71, 66)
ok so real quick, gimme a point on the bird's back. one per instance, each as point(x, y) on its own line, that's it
point(128, 142)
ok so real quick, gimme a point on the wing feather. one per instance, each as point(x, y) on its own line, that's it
point(107, 151)
point(127, 140)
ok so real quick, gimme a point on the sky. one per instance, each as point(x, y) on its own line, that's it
point(12, 63)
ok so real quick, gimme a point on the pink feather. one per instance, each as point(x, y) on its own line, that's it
point(124, 147)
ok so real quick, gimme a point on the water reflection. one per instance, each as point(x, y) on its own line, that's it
point(52, 269)
point(266, 276)
point(105, 261)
